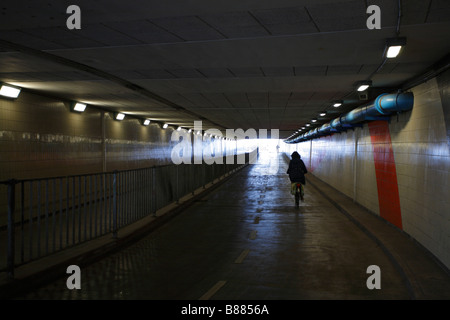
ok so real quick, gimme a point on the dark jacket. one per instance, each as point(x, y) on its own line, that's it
point(297, 170)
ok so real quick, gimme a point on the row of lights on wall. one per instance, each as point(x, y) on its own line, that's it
point(392, 50)
point(119, 116)
point(13, 92)
point(335, 104)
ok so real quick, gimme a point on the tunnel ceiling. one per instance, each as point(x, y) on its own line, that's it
point(233, 64)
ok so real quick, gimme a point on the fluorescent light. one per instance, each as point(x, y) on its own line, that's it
point(337, 104)
point(120, 116)
point(10, 92)
point(394, 45)
point(307, 124)
point(323, 113)
point(313, 120)
point(165, 126)
point(190, 130)
point(179, 128)
point(393, 51)
point(79, 107)
point(362, 87)
point(146, 122)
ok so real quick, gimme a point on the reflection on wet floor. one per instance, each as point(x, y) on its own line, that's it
point(248, 241)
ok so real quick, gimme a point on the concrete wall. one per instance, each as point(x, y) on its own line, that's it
point(40, 137)
point(399, 169)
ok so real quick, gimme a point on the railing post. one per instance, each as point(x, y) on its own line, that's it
point(177, 187)
point(204, 175)
point(115, 204)
point(192, 178)
point(11, 236)
point(154, 191)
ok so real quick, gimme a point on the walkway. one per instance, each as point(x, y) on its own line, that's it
point(247, 241)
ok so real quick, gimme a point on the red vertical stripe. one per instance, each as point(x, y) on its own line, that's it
point(386, 174)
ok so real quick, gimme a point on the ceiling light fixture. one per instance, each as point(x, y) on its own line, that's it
point(78, 107)
point(119, 116)
point(165, 126)
point(394, 46)
point(323, 113)
point(313, 120)
point(9, 91)
point(145, 122)
point(363, 85)
point(337, 103)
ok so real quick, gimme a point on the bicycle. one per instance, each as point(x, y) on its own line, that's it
point(298, 193)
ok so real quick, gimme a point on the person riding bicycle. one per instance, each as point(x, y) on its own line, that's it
point(296, 172)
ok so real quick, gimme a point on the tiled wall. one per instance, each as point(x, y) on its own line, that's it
point(400, 169)
point(422, 157)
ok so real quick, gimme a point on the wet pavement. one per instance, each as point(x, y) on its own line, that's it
point(248, 241)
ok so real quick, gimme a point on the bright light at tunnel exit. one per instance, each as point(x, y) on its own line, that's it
point(264, 145)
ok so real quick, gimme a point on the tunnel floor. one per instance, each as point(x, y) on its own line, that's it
point(245, 241)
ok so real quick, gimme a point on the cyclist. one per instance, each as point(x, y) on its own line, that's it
point(296, 172)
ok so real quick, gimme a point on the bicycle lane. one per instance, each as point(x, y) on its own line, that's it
point(244, 241)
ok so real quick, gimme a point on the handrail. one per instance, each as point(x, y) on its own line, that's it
point(47, 215)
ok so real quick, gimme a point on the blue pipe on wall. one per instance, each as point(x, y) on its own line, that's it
point(384, 105)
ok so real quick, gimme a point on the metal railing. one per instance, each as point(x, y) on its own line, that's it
point(45, 216)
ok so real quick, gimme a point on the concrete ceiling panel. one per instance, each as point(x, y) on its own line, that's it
point(236, 63)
